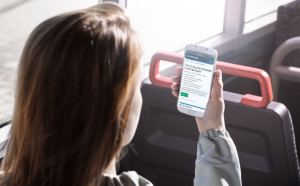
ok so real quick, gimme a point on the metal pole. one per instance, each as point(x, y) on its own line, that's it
point(234, 17)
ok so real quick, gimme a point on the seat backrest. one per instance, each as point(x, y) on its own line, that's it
point(165, 141)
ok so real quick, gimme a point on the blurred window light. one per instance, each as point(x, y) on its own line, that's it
point(172, 24)
point(19, 18)
point(258, 8)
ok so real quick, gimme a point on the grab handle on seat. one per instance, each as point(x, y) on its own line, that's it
point(228, 68)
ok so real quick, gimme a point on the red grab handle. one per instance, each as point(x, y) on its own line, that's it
point(228, 68)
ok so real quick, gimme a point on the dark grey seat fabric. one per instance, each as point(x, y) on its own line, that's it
point(165, 141)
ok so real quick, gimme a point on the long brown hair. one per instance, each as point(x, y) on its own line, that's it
point(74, 89)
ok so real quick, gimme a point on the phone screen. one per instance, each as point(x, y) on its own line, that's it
point(195, 85)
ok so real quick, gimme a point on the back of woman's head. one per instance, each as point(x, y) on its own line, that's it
point(75, 85)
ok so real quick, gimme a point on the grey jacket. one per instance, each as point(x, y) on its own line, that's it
point(217, 164)
point(217, 160)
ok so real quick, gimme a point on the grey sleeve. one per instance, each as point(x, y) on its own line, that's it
point(217, 160)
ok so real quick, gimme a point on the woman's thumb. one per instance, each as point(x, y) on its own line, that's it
point(217, 85)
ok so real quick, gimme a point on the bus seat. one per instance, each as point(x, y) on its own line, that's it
point(285, 62)
point(165, 140)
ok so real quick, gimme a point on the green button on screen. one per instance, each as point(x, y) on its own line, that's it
point(184, 94)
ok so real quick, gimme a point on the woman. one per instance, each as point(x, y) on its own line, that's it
point(78, 102)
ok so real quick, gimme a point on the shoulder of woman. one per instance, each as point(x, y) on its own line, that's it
point(130, 178)
point(139, 180)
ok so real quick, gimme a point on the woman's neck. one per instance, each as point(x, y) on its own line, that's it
point(111, 168)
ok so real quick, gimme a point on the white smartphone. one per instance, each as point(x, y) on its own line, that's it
point(198, 70)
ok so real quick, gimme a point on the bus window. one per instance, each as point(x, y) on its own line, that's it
point(19, 18)
point(172, 24)
point(258, 8)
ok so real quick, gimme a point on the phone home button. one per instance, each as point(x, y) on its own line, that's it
point(191, 112)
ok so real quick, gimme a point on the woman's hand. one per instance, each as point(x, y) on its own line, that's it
point(214, 114)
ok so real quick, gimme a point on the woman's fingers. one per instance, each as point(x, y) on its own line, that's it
point(175, 87)
point(175, 79)
point(175, 93)
point(217, 92)
point(179, 70)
